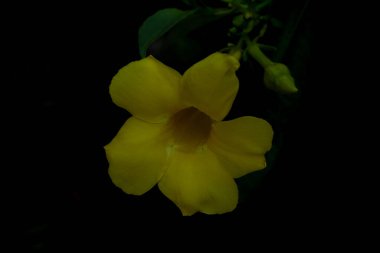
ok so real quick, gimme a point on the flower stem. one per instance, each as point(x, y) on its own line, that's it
point(255, 51)
point(236, 51)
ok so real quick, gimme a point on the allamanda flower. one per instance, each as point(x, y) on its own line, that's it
point(176, 136)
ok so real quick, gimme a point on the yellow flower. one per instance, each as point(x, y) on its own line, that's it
point(176, 136)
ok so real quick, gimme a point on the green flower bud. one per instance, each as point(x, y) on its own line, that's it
point(277, 77)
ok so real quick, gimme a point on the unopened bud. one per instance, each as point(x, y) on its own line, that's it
point(277, 77)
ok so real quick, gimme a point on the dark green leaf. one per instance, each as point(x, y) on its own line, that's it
point(184, 44)
point(157, 25)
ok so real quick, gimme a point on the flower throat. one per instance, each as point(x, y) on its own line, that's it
point(189, 128)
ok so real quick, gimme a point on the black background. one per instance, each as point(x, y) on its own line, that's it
point(62, 60)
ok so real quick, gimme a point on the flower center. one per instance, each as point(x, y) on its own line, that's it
point(189, 128)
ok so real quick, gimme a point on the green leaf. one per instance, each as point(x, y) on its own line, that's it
point(157, 25)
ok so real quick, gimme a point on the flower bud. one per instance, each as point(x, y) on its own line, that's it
point(278, 78)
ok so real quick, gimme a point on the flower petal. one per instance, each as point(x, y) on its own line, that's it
point(242, 142)
point(211, 85)
point(148, 89)
point(136, 156)
point(198, 182)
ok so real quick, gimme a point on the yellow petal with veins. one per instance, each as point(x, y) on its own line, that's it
point(137, 156)
point(211, 85)
point(197, 181)
point(148, 89)
point(241, 143)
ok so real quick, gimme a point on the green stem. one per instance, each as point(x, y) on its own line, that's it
point(236, 51)
point(289, 31)
point(255, 51)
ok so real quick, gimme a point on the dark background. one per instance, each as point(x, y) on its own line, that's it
point(62, 60)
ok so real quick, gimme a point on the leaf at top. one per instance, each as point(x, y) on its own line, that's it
point(157, 25)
